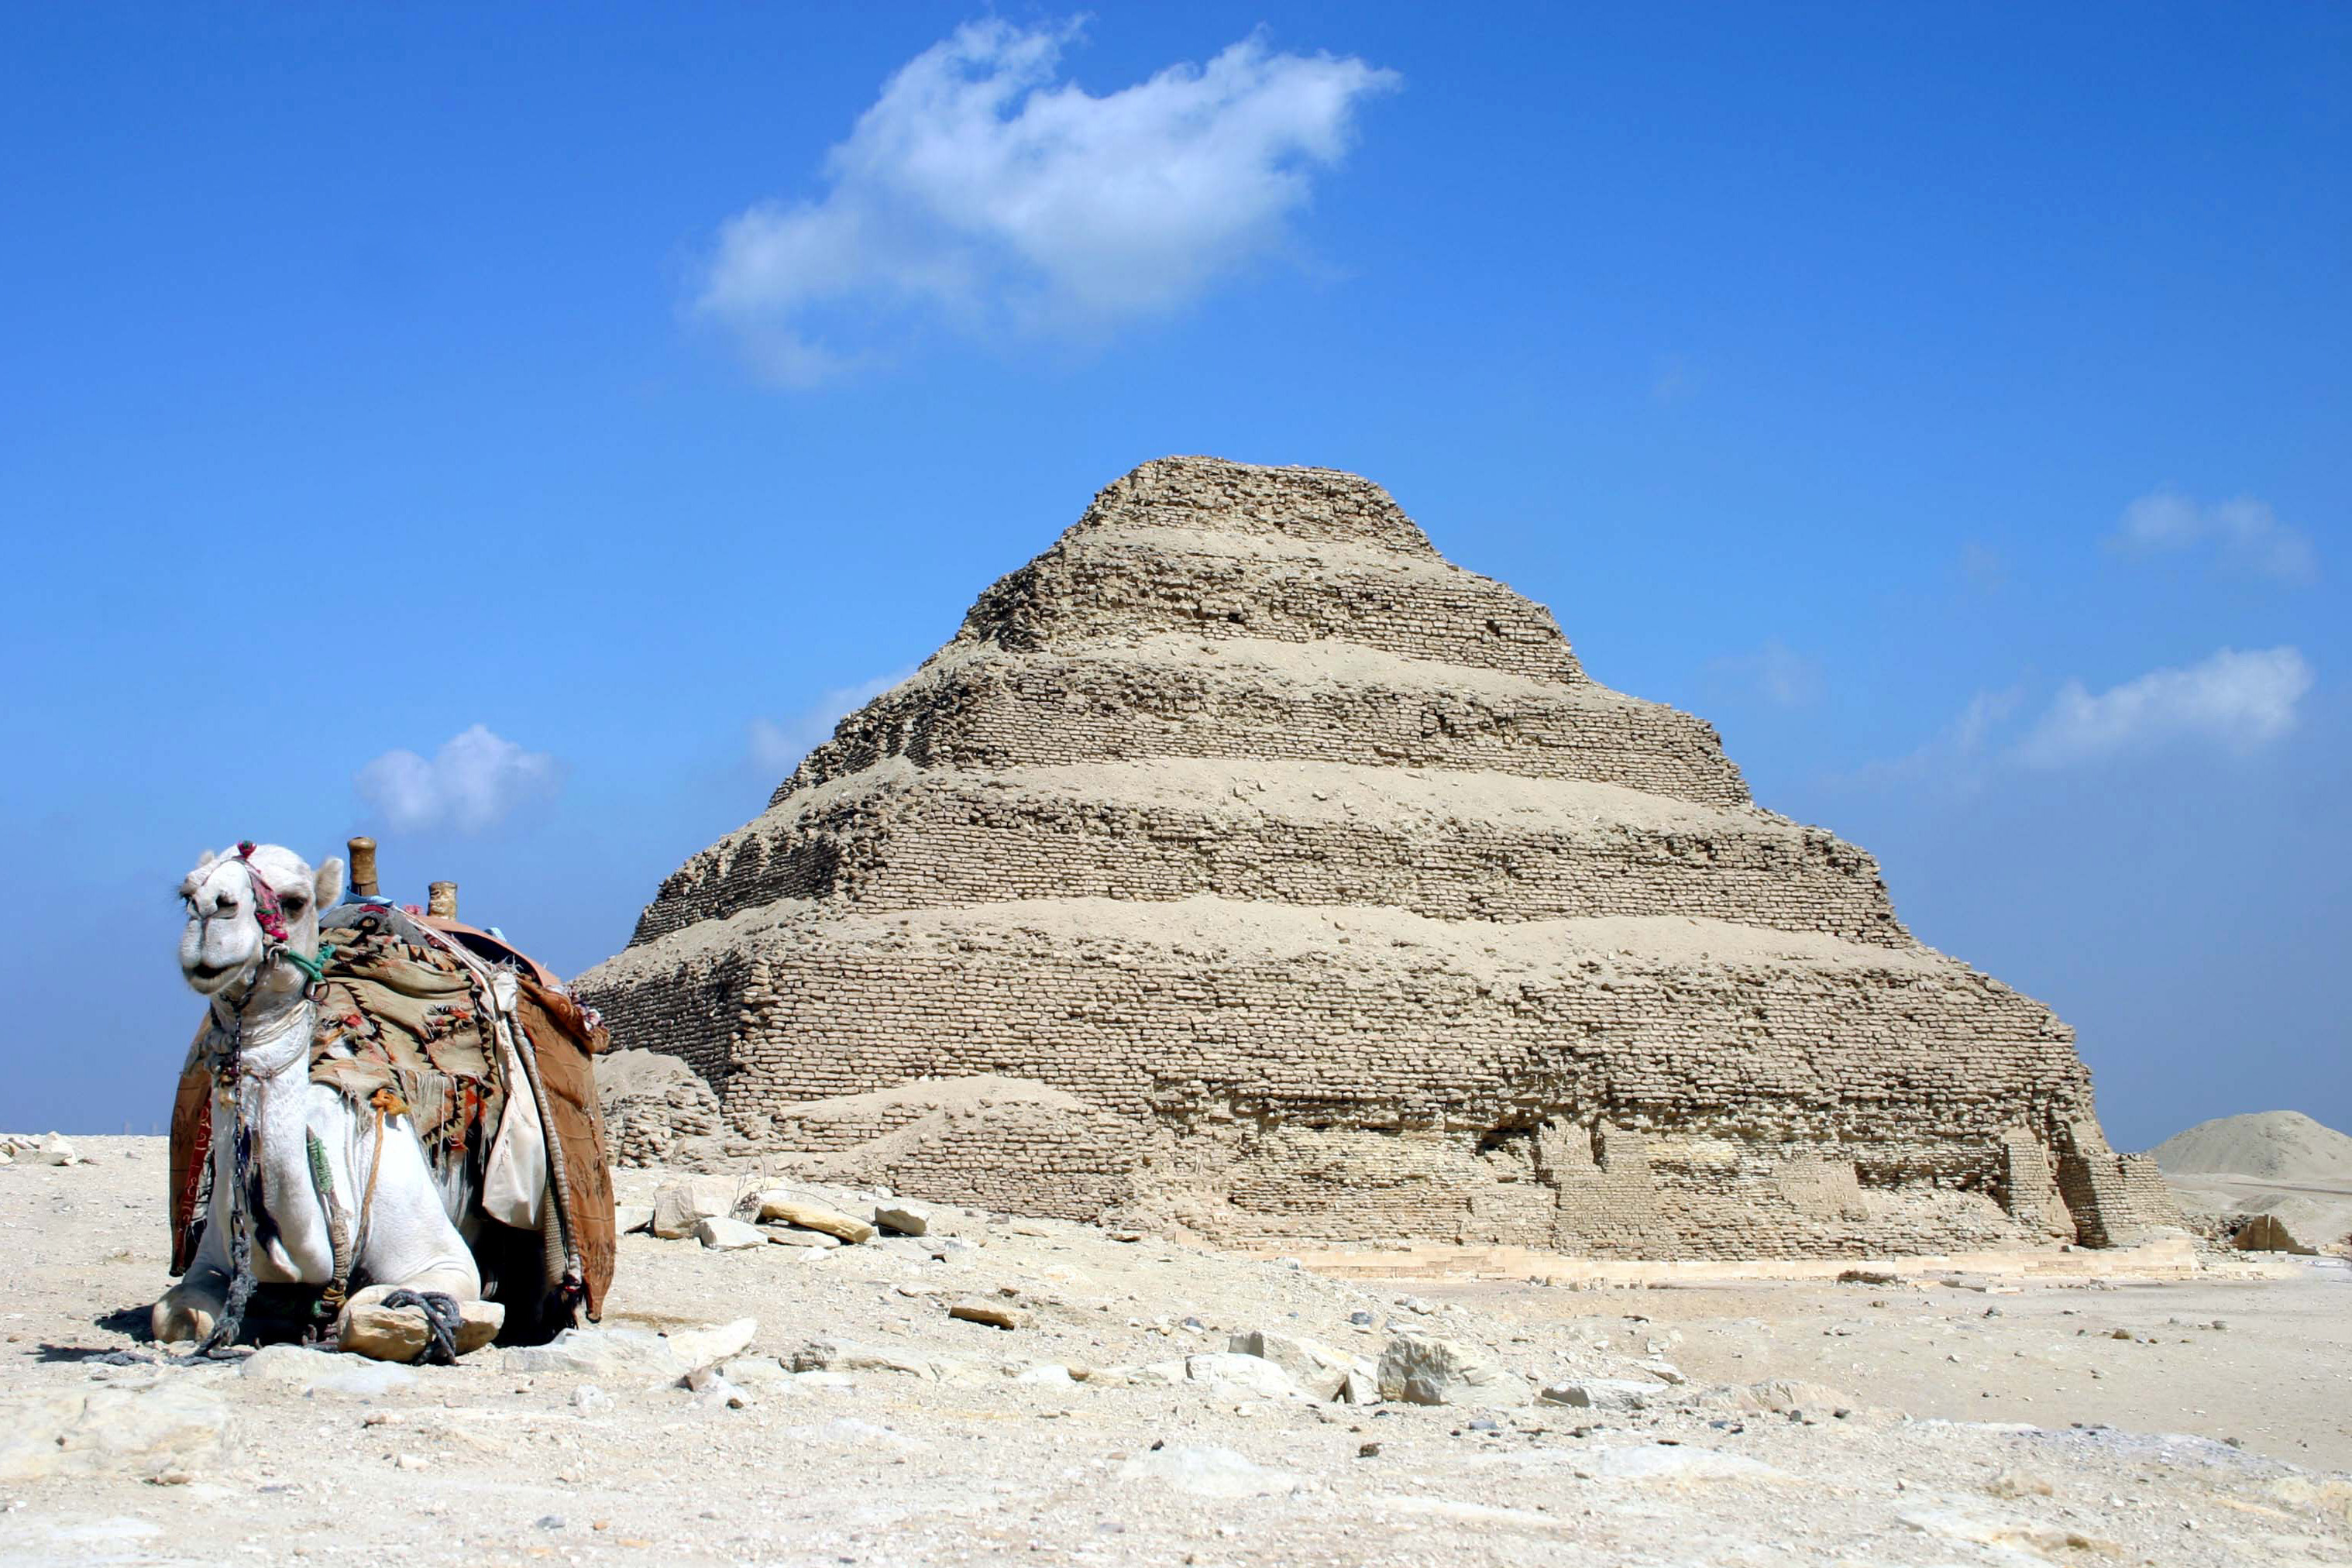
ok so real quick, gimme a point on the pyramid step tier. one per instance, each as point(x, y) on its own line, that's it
point(1348, 1072)
point(1172, 581)
point(1436, 843)
point(983, 708)
point(1209, 497)
point(1321, 1012)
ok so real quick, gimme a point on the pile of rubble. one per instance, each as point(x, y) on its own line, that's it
point(48, 1149)
point(723, 1214)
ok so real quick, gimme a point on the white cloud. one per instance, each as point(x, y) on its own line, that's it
point(1777, 672)
point(982, 191)
point(1956, 754)
point(2235, 700)
point(474, 782)
point(778, 747)
point(2246, 533)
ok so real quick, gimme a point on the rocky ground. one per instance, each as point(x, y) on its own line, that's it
point(1943, 1419)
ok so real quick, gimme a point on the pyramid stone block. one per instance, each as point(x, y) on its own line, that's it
point(1252, 869)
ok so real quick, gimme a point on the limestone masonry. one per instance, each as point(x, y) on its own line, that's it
point(1243, 865)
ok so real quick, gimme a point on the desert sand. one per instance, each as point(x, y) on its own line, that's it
point(2278, 1162)
point(2190, 1411)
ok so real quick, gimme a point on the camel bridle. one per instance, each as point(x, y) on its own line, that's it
point(269, 914)
point(231, 1073)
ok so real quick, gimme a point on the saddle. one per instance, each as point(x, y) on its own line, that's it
point(486, 1054)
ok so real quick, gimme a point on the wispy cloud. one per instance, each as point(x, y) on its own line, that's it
point(1776, 672)
point(983, 194)
point(1956, 753)
point(2235, 700)
point(2244, 532)
point(777, 747)
point(475, 781)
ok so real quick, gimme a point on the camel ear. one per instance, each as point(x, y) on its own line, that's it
point(327, 883)
point(207, 859)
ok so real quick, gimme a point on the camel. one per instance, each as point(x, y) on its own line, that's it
point(251, 951)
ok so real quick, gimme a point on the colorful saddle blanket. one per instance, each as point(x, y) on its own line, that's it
point(414, 1019)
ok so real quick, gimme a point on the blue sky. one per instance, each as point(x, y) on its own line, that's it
point(1951, 405)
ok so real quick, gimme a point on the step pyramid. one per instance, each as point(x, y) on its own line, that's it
point(1245, 865)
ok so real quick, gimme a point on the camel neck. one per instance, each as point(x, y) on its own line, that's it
point(269, 1095)
point(270, 1033)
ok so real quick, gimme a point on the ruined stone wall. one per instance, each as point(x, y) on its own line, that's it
point(1313, 891)
point(1125, 587)
point(978, 709)
point(1402, 1089)
point(2117, 1199)
point(896, 838)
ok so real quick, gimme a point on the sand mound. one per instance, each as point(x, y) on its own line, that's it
point(2276, 1145)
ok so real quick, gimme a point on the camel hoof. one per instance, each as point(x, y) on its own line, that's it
point(172, 1321)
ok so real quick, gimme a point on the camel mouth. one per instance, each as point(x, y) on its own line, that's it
point(210, 977)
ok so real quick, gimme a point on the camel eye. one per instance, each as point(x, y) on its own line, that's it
point(293, 906)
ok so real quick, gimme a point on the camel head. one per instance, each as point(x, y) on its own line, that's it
point(245, 906)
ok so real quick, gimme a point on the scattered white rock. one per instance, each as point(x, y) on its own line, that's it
point(627, 1217)
point(317, 1372)
point(679, 1206)
point(2015, 1540)
point(959, 1372)
point(722, 1235)
point(823, 1379)
point(1777, 1397)
point(786, 1236)
point(1210, 1470)
point(1604, 1392)
point(786, 1206)
point(369, 1329)
point(632, 1352)
point(846, 1355)
point(903, 1219)
point(1424, 1369)
point(995, 1314)
point(713, 1392)
point(716, 1343)
point(1314, 1366)
point(1223, 1374)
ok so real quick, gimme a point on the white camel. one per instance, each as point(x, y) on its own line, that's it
point(253, 926)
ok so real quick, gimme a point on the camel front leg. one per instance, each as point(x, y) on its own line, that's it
point(413, 1260)
point(190, 1308)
